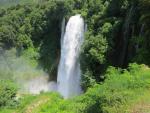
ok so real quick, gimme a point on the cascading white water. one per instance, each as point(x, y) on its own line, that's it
point(69, 73)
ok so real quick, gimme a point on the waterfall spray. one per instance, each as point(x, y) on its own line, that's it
point(69, 73)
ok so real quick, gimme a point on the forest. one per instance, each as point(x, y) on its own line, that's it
point(114, 57)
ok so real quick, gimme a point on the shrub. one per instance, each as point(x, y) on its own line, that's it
point(8, 92)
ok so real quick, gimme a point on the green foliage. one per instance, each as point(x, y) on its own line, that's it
point(87, 80)
point(32, 56)
point(34, 29)
point(111, 27)
point(93, 56)
point(122, 89)
point(8, 92)
point(95, 48)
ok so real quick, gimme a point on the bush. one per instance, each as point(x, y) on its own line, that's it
point(8, 92)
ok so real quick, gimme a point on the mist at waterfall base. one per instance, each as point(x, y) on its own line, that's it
point(28, 78)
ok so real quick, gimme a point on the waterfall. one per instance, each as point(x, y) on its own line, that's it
point(126, 36)
point(142, 30)
point(137, 46)
point(62, 30)
point(69, 74)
